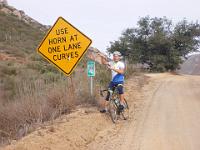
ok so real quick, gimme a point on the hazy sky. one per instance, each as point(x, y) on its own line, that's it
point(104, 20)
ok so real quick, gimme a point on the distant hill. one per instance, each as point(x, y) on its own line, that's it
point(191, 66)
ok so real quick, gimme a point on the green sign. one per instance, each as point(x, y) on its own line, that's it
point(91, 68)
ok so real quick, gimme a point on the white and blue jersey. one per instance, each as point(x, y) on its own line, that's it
point(117, 77)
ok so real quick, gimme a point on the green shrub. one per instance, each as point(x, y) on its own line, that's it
point(50, 77)
point(7, 68)
point(37, 66)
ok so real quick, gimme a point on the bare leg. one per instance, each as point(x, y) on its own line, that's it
point(121, 96)
point(105, 104)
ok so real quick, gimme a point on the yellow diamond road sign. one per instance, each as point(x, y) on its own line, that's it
point(64, 45)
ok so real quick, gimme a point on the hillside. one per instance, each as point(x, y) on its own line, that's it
point(17, 37)
point(191, 66)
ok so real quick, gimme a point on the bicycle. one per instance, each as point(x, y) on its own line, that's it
point(113, 105)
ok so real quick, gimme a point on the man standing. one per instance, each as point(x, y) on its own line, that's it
point(117, 68)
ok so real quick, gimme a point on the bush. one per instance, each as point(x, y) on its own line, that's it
point(38, 66)
point(34, 102)
point(8, 68)
point(50, 77)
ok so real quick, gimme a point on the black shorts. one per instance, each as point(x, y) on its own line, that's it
point(112, 86)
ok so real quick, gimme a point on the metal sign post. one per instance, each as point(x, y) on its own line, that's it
point(91, 74)
point(91, 86)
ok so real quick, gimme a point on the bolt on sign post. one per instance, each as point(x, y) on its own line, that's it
point(64, 46)
point(91, 74)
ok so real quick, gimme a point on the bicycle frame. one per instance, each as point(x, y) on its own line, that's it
point(113, 95)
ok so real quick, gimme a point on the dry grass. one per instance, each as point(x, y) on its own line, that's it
point(21, 115)
point(38, 100)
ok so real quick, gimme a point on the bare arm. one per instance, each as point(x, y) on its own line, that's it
point(120, 71)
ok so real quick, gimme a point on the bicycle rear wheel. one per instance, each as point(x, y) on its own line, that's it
point(125, 112)
point(113, 111)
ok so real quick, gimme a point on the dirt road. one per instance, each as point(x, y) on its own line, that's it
point(172, 120)
point(165, 115)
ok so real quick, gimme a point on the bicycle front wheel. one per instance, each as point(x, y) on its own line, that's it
point(113, 111)
point(125, 112)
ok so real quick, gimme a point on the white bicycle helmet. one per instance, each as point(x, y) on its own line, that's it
point(117, 53)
